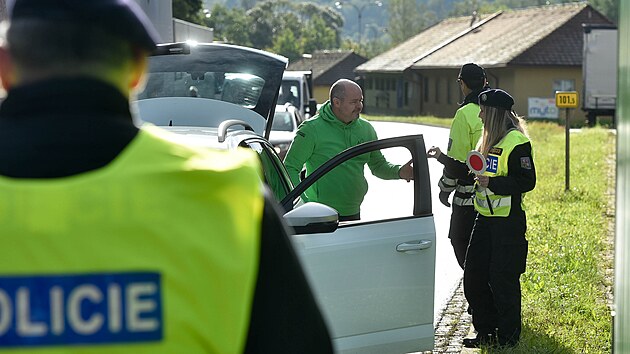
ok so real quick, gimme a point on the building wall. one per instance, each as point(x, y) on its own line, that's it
point(439, 92)
point(543, 82)
point(321, 93)
point(390, 94)
point(185, 31)
point(161, 15)
point(435, 92)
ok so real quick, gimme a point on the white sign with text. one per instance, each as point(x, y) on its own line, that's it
point(542, 107)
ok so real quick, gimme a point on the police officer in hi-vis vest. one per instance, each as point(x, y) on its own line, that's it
point(464, 135)
point(117, 239)
point(497, 251)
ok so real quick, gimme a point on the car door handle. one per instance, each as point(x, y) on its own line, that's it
point(414, 246)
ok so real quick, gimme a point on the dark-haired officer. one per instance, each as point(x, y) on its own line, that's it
point(464, 135)
point(117, 239)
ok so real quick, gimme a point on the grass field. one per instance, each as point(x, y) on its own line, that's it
point(568, 282)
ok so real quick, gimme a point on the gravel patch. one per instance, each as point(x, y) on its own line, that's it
point(454, 324)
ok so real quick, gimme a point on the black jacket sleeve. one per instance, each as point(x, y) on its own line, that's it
point(521, 176)
point(285, 317)
point(456, 169)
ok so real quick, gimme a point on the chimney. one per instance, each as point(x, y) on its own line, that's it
point(473, 18)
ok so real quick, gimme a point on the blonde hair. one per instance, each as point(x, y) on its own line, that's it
point(498, 122)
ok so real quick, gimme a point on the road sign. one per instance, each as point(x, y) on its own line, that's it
point(566, 99)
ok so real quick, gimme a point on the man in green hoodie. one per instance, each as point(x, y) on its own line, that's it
point(335, 128)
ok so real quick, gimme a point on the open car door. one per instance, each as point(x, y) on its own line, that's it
point(374, 279)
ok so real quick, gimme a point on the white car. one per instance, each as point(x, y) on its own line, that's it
point(374, 280)
point(285, 123)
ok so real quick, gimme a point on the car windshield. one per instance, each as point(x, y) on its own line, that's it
point(289, 92)
point(238, 88)
point(282, 122)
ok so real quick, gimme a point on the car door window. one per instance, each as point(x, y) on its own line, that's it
point(388, 199)
point(385, 199)
point(275, 174)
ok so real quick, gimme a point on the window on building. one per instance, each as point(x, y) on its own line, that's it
point(368, 84)
point(562, 85)
point(437, 90)
point(449, 89)
point(406, 93)
point(426, 89)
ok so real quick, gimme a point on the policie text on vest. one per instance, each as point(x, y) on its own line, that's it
point(97, 308)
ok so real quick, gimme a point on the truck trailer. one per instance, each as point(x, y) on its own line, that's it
point(599, 71)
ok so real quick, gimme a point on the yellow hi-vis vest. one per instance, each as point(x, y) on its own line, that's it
point(497, 165)
point(465, 132)
point(156, 252)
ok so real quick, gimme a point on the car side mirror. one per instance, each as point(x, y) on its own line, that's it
point(312, 218)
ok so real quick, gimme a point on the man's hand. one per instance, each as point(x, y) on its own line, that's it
point(406, 171)
point(434, 152)
point(444, 198)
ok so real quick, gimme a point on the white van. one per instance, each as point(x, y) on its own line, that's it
point(297, 89)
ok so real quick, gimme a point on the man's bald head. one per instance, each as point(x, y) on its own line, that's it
point(346, 99)
point(339, 88)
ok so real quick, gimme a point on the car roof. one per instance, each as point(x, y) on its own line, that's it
point(295, 74)
point(209, 137)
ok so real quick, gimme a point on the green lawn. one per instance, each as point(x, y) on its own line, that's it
point(567, 286)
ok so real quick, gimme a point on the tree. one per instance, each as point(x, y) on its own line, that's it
point(316, 35)
point(610, 8)
point(269, 19)
point(287, 45)
point(404, 20)
point(264, 23)
point(230, 25)
point(188, 10)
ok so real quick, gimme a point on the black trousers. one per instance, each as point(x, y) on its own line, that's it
point(495, 260)
point(462, 221)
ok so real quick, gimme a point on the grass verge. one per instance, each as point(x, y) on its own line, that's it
point(567, 286)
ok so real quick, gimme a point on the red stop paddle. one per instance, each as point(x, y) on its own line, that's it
point(476, 162)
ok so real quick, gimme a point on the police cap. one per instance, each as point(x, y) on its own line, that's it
point(496, 98)
point(471, 71)
point(121, 18)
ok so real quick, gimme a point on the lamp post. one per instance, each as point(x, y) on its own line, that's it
point(339, 5)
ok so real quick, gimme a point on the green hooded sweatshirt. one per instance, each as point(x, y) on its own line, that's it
point(321, 138)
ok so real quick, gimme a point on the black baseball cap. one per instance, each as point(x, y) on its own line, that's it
point(121, 18)
point(496, 98)
point(471, 71)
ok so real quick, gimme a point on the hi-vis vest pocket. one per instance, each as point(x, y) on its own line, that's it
point(100, 308)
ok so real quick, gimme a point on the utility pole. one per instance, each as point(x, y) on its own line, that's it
point(359, 9)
